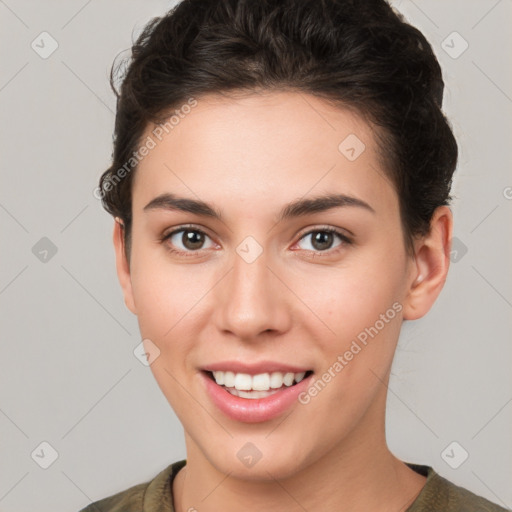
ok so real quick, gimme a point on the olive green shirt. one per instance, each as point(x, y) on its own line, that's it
point(437, 495)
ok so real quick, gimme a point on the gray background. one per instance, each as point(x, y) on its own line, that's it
point(68, 375)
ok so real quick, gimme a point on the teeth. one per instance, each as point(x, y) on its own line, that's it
point(243, 381)
point(276, 380)
point(251, 394)
point(219, 377)
point(288, 379)
point(229, 379)
point(299, 376)
point(261, 382)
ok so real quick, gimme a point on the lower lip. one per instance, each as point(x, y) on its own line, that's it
point(253, 410)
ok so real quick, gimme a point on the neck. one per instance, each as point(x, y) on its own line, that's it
point(358, 474)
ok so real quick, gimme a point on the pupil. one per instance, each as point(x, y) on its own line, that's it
point(322, 237)
point(192, 239)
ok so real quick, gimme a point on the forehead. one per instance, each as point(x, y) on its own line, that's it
point(276, 145)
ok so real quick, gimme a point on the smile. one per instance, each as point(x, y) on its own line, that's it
point(257, 397)
point(261, 385)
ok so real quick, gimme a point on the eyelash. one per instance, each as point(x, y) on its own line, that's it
point(326, 229)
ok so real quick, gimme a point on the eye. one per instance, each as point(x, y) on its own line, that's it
point(322, 239)
point(187, 240)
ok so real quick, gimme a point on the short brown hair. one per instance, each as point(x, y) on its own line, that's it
point(359, 54)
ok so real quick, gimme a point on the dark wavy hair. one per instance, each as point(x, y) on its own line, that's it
point(356, 54)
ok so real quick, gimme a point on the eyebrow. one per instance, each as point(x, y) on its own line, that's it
point(300, 207)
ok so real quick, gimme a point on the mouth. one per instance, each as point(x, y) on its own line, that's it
point(253, 387)
point(252, 398)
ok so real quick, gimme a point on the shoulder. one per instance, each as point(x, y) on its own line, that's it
point(141, 497)
point(123, 501)
point(460, 499)
point(439, 494)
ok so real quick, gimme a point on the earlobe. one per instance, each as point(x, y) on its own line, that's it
point(122, 265)
point(430, 266)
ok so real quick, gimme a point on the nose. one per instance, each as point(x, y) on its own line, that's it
point(253, 299)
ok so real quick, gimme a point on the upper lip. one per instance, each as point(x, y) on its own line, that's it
point(254, 368)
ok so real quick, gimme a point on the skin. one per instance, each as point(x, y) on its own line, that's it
point(249, 156)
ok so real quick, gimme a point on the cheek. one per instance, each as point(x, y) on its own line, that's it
point(353, 296)
point(361, 305)
point(168, 302)
point(165, 295)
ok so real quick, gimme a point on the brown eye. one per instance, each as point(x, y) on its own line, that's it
point(192, 240)
point(322, 240)
point(187, 240)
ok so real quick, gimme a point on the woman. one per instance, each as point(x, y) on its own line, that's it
point(280, 185)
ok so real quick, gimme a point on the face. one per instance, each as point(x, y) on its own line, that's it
point(249, 285)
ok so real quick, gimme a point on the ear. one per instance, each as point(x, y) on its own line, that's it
point(430, 265)
point(122, 265)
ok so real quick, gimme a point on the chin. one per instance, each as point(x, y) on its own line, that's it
point(258, 460)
